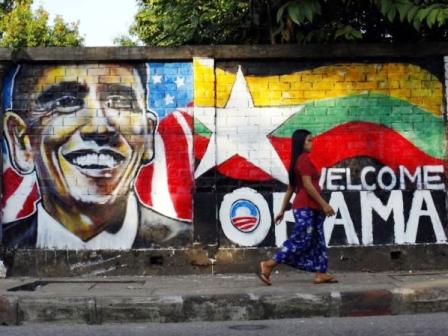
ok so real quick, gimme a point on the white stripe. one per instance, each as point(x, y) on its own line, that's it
point(6, 162)
point(147, 84)
point(15, 202)
point(188, 135)
point(13, 80)
point(161, 198)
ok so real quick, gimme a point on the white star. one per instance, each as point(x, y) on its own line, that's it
point(168, 99)
point(157, 79)
point(180, 81)
point(242, 129)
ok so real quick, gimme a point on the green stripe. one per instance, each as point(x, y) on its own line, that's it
point(201, 129)
point(423, 129)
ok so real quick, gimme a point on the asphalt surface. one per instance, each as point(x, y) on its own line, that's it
point(404, 325)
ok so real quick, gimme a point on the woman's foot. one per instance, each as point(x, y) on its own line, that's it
point(322, 278)
point(265, 273)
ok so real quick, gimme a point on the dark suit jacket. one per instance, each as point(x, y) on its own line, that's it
point(21, 233)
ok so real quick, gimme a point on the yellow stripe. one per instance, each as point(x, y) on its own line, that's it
point(204, 82)
point(403, 81)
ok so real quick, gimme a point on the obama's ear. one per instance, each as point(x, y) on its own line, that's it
point(19, 144)
point(151, 121)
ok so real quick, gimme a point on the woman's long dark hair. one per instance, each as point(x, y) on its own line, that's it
point(297, 144)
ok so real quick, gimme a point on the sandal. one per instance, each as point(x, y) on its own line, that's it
point(265, 278)
point(325, 280)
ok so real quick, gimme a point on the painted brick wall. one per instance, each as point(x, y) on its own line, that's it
point(379, 144)
point(167, 153)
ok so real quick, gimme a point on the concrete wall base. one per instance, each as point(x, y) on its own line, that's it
point(209, 259)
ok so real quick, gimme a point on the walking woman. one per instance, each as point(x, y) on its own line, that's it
point(305, 249)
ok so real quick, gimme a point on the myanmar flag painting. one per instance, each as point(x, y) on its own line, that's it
point(391, 113)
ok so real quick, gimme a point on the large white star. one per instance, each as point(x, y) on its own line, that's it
point(242, 129)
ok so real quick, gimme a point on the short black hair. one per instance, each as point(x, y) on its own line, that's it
point(24, 92)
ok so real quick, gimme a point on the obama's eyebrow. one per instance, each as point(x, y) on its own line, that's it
point(63, 89)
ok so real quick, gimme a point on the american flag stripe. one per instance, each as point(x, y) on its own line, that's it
point(11, 181)
point(169, 192)
point(186, 122)
point(19, 197)
point(180, 178)
point(160, 193)
point(29, 206)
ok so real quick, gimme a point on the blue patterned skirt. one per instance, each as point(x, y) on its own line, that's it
point(305, 249)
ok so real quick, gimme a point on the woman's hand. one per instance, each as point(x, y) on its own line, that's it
point(328, 210)
point(279, 217)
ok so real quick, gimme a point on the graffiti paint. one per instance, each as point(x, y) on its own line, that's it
point(89, 160)
point(427, 177)
point(379, 142)
point(111, 156)
point(244, 216)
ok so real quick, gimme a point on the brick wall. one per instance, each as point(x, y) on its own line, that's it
point(126, 151)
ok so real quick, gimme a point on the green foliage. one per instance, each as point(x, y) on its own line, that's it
point(21, 27)
point(177, 22)
point(416, 13)
point(125, 41)
point(367, 20)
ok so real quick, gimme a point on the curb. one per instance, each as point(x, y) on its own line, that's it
point(15, 310)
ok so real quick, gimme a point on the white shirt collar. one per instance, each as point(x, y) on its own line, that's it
point(53, 235)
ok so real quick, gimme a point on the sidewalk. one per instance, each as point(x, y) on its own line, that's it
point(96, 300)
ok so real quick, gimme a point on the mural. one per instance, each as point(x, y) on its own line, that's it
point(379, 144)
point(97, 156)
point(122, 156)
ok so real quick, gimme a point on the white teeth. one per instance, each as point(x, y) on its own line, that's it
point(102, 160)
point(107, 160)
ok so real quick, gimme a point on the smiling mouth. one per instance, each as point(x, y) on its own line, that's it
point(88, 159)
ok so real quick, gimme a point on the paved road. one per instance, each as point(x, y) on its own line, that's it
point(404, 325)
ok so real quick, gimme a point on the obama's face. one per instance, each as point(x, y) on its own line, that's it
point(85, 133)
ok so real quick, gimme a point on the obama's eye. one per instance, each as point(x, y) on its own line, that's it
point(64, 104)
point(67, 104)
point(118, 102)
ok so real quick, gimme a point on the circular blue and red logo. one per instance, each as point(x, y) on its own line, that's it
point(244, 215)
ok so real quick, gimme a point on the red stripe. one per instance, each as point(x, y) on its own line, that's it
point(244, 218)
point(240, 224)
point(368, 139)
point(29, 207)
point(245, 226)
point(200, 145)
point(188, 119)
point(245, 221)
point(241, 169)
point(11, 181)
point(180, 177)
point(143, 184)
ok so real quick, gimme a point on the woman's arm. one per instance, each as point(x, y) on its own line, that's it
point(285, 203)
point(308, 185)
